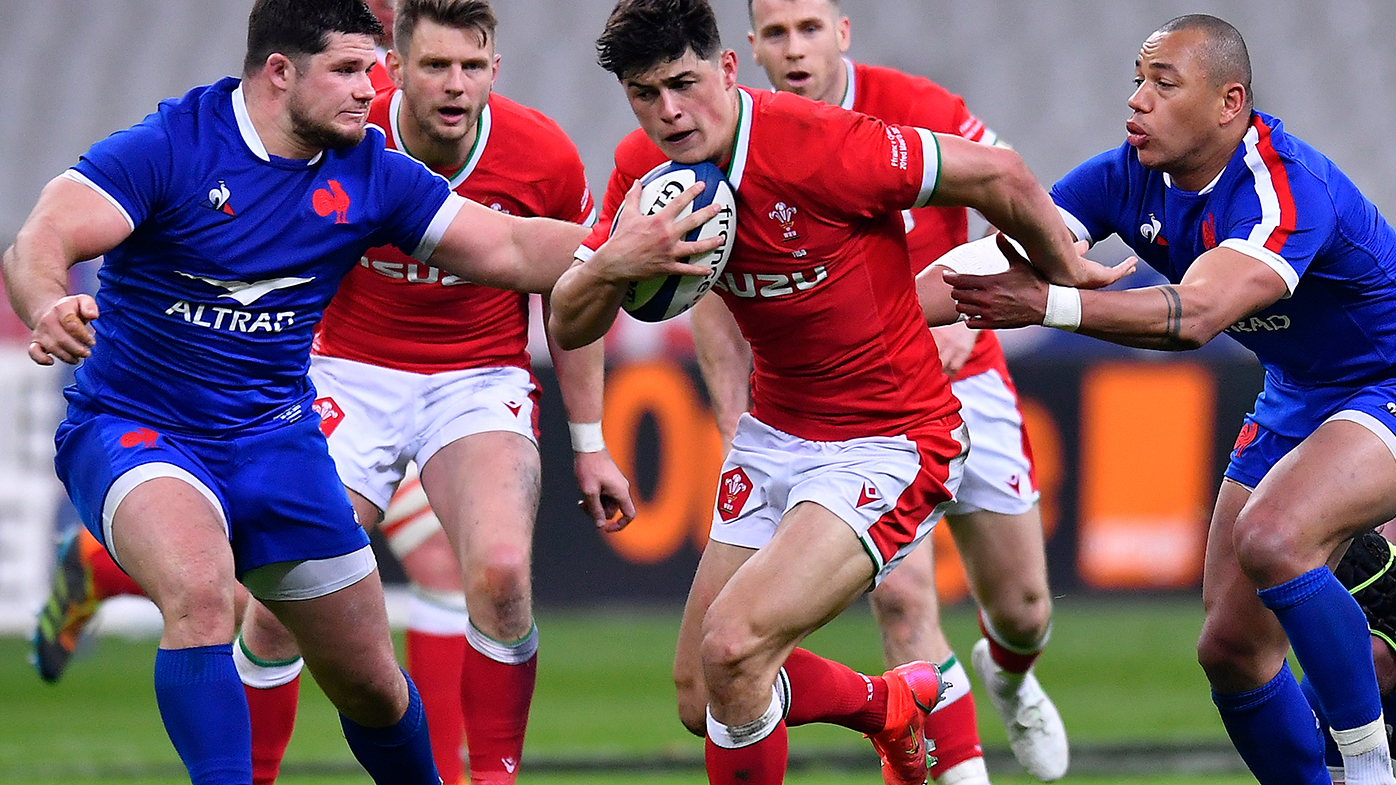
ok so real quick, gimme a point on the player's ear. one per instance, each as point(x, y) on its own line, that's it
point(279, 70)
point(844, 31)
point(1234, 103)
point(727, 62)
point(393, 62)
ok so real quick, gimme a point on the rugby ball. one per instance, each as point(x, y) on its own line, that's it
point(657, 299)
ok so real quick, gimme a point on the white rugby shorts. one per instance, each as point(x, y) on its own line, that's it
point(377, 419)
point(890, 490)
point(998, 473)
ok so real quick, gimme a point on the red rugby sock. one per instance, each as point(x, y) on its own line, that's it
point(435, 663)
point(826, 691)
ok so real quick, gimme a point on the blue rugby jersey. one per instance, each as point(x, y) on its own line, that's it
point(1282, 202)
point(208, 308)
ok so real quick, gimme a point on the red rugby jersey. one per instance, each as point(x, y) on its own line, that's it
point(819, 280)
point(396, 312)
point(896, 97)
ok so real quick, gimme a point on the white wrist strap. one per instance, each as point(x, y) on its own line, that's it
point(1063, 308)
point(586, 436)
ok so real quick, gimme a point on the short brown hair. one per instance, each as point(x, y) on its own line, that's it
point(474, 15)
point(641, 34)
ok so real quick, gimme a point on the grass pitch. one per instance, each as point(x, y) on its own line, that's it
point(1123, 675)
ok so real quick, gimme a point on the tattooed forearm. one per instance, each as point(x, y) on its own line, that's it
point(1175, 311)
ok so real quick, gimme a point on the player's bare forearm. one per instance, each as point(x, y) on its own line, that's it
point(580, 375)
point(934, 295)
point(507, 252)
point(724, 358)
point(583, 306)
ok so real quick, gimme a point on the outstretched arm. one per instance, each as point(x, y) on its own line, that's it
point(496, 249)
point(1221, 287)
point(71, 223)
point(996, 182)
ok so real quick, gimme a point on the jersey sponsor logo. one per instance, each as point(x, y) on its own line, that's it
point(899, 152)
point(733, 488)
point(332, 201)
point(411, 271)
point(1261, 324)
point(1152, 231)
point(869, 494)
point(330, 414)
point(1209, 232)
point(771, 285)
point(247, 293)
point(514, 407)
point(218, 199)
point(785, 214)
point(1243, 439)
point(140, 437)
point(290, 414)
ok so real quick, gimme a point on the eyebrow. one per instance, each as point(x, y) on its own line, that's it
point(665, 81)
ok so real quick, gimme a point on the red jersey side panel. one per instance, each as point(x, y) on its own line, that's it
point(896, 97)
point(399, 313)
point(819, 280)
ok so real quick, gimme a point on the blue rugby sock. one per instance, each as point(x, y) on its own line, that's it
point(205, 713)
point(399, 754)
point(1329, 635)
point(1331, 756)
point(1274, 730)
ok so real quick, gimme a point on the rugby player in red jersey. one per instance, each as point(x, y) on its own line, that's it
point(854, 445)
point(413, 364)
point(995, 521)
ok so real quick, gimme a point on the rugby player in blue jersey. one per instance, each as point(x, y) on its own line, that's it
point(1261, 237)
point(190, 448)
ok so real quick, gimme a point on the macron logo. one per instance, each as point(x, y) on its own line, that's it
point(247, 293)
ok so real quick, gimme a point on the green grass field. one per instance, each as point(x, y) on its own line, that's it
point(1122, 674)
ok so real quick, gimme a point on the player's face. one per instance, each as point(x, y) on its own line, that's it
point(383, 11)
point(1176, 110)
point(329, 94)
point(801, 43)
point(446, 80)
point(688, 106)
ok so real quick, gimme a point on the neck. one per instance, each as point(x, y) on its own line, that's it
point(442, 154)
point(1195, 173)
point(838, 88)
point(272, 121)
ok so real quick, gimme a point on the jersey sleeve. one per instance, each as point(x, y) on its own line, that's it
point(1091, 196)
point(874, 168)
point(132, 169)
point(418, 205)
point(1280, 214)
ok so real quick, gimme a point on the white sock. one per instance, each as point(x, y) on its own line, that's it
point(261, 674)
point(1366, 756)
point(952, 672)
point(732, 737)
point(970, 772)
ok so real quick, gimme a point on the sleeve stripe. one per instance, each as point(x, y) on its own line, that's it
point(1074, 224)
point(1267, 257)
point(930, 174)
point(79, 177)
point(1277, 213)
point(437, 228)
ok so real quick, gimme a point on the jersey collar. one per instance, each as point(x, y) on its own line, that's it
point(850, 91)
point(477, 150)
point(1168, 181)
point(249, 131)
point(742, 143)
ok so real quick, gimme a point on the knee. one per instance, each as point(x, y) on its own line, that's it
point(897, 602)
point(728, 644)
point(372, 699)
point(199, 614)
point(1023, 619)
point(1267, 547)
point(1234, 661)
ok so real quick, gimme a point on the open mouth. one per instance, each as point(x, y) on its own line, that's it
point(680, 138)
point(451, 114)
point(797, 78)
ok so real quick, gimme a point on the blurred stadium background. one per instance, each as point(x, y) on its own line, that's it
point(1130, 444)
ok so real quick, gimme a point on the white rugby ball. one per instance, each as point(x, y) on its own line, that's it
point(657, 299)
